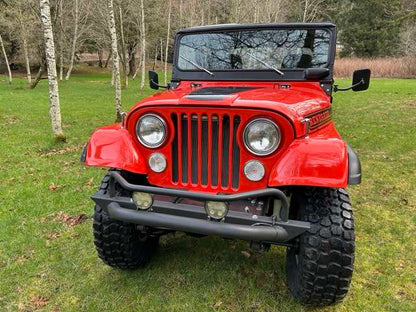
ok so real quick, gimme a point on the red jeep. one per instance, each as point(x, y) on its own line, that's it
point(241, 145)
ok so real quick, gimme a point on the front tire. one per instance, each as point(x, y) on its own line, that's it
point(118, 243)
point(319, 269)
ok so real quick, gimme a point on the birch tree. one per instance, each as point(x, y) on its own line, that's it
point(311, 9)
point(74, 40)
point(123, 50)
point(54, 107)
point(24, 44)
point(143, 46)
point(167, 43)
point(61, 39)
point(6, 60)
point(116, 65)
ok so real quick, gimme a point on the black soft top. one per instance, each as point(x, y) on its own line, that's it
point(234, 26)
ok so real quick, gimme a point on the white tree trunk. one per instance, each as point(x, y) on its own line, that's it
point(161, 53)
point(74, 41)
point(54, 107)
point(27, 62)
point(156, 53)
point(143, 47)
point(6, 59)
point(123, 51)
point(305, 11)
point(116, 65)
point(167, 43)
point(61, 41)
point(25, 49)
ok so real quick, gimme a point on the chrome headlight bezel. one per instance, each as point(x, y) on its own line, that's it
point(257, 152)
point(140, 137)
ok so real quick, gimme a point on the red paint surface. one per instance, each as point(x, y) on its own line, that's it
point(113, 147)
point(319, 160)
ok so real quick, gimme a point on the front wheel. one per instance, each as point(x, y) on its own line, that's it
point(118, 243)
point(319, 268)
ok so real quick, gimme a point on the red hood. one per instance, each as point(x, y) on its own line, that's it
point(292, 99)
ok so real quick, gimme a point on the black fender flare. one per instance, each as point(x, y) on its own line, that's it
point(354, 167)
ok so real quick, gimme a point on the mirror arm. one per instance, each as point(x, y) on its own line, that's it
point(350, 87)
point(160, 86)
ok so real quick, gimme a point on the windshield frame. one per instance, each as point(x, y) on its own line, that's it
point(292, 74)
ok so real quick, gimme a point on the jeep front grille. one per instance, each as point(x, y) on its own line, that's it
point(205, 150)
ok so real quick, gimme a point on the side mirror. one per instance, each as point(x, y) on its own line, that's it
point(360, 81)
point(153, 80)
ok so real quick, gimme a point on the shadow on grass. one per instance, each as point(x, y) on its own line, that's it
point(210, 268)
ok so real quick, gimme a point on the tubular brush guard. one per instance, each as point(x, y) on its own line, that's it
point(194, 219)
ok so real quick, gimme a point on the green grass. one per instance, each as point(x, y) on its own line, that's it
point(47, 264)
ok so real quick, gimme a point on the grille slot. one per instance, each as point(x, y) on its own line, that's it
point(205, 150)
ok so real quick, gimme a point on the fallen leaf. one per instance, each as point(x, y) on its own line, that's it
point(70, 221)
point(21, 306)
point(217, 305)
point(56, 151)
point(400, 266)
point(53, 235)
point(89, 182)
point(400, 295)
point(246, 254)
point(78, 219)
point(52, 187)
point(28, 255)
point(12, 121)
point(62, 217)
point(38, 301)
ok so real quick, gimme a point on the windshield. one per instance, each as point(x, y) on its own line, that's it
point(269, 49)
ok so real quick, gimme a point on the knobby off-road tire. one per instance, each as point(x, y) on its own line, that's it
point(319, 269)
point(119, 243)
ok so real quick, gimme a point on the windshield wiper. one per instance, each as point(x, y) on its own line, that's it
point(267, 65)
point(197, 66)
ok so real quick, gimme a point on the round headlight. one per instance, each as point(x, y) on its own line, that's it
point(151, 130)
point(261, 136)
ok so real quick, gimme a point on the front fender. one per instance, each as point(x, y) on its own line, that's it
point(312, 162)
point(113, 147)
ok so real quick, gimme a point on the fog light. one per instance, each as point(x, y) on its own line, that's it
point(157, 162)
point(142, 201)
point(216, 210)
point(254, 170)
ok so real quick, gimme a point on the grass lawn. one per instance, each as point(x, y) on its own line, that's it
point(47, 257)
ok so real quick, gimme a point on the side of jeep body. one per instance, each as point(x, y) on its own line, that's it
point(241, 145)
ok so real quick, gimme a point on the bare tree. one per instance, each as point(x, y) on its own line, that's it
point(54, 106)
point(167, 42)
point(123, 51)
point(61, 39)
point(6, 60)
point(116, 66)
point(74, 40)
point(143, 46)
point(38, 76)
point(311, 9)
point(24, 44)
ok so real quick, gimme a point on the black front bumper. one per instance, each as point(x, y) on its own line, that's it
point(192, 218)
